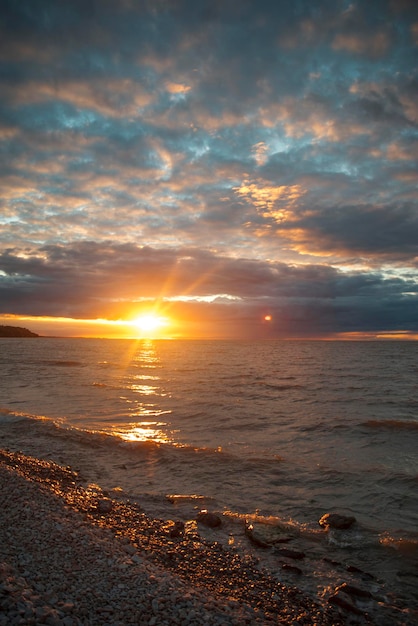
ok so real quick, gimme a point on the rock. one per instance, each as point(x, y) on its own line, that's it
point(326, 559)
point(354, 591)
point(209, 519)
point(190, 530)
point(356, 570)
point(335, 520)
point(290, 554)
point(174, 529)
point(267, 535)
point(293, 569)
point(338, 600)
point(104, 506)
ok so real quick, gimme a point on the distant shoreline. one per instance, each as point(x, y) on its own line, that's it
point(16, 331)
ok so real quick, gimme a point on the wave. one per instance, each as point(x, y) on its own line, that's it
point(60, 363)
point(282, 387)
point(407, 546)
point(58, 427)
point(391, 424)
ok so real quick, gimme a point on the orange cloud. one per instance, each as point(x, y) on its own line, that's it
point(302, 117)
point(374, 45)
point(260, 152)
point(399, 152)
point(177, 88)
point(114, 97)
point(270, 201)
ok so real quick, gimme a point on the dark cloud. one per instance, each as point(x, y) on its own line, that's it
point(88, 279)
point(370, 231)
point(265, 150)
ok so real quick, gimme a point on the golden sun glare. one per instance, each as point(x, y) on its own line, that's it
point(149, 324)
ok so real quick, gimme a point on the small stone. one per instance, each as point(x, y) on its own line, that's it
point(190, 530)
point(174, 529)
point(338, 600)
point(335, 520)
point(356, 570)
point(290, 554)
point(292, 569)
point(104, 506)
point(266, 535)
point(354, 591)
point(209, 519)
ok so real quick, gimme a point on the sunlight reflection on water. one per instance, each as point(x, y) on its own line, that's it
point(146, 357)
point(146, 390)
point(145, 431)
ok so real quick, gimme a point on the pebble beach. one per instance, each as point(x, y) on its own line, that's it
point(72, 556)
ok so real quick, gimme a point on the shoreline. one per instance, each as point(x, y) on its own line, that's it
point(98, 546)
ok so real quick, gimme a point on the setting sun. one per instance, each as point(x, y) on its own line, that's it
point(149, 324)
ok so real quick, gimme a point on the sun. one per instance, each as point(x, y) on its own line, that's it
point(149, 324)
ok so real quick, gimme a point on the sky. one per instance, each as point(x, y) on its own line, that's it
point(237, 169)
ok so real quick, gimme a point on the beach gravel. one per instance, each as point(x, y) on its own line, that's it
point(72, 556)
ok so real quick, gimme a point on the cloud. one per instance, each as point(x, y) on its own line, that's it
point(115, 96)
point(178, 149)
point(277, 203)
point(96, 280)
point(375, 45)
point(382, 228)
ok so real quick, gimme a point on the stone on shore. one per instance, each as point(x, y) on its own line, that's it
point(290, 554)
point(104, 506)
point(268, 535)
point(337, 599)
point(337, 521)
point(354, 591)
point(209, 519)
point(292, 569)
point(174, 529)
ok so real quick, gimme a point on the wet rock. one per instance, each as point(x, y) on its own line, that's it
point(338, 600)
point(335, 520)
point(352, 590)
point(292, 569)
point(356, 570)
point(209, 519)
point(290, 554)
point(190, 530)
point(174, 529)
point(267, 535)
point(104, 506)
point(326, 559)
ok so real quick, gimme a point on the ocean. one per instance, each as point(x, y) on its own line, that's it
point(264, 432)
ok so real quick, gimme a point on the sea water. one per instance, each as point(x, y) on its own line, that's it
point(271, 430)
